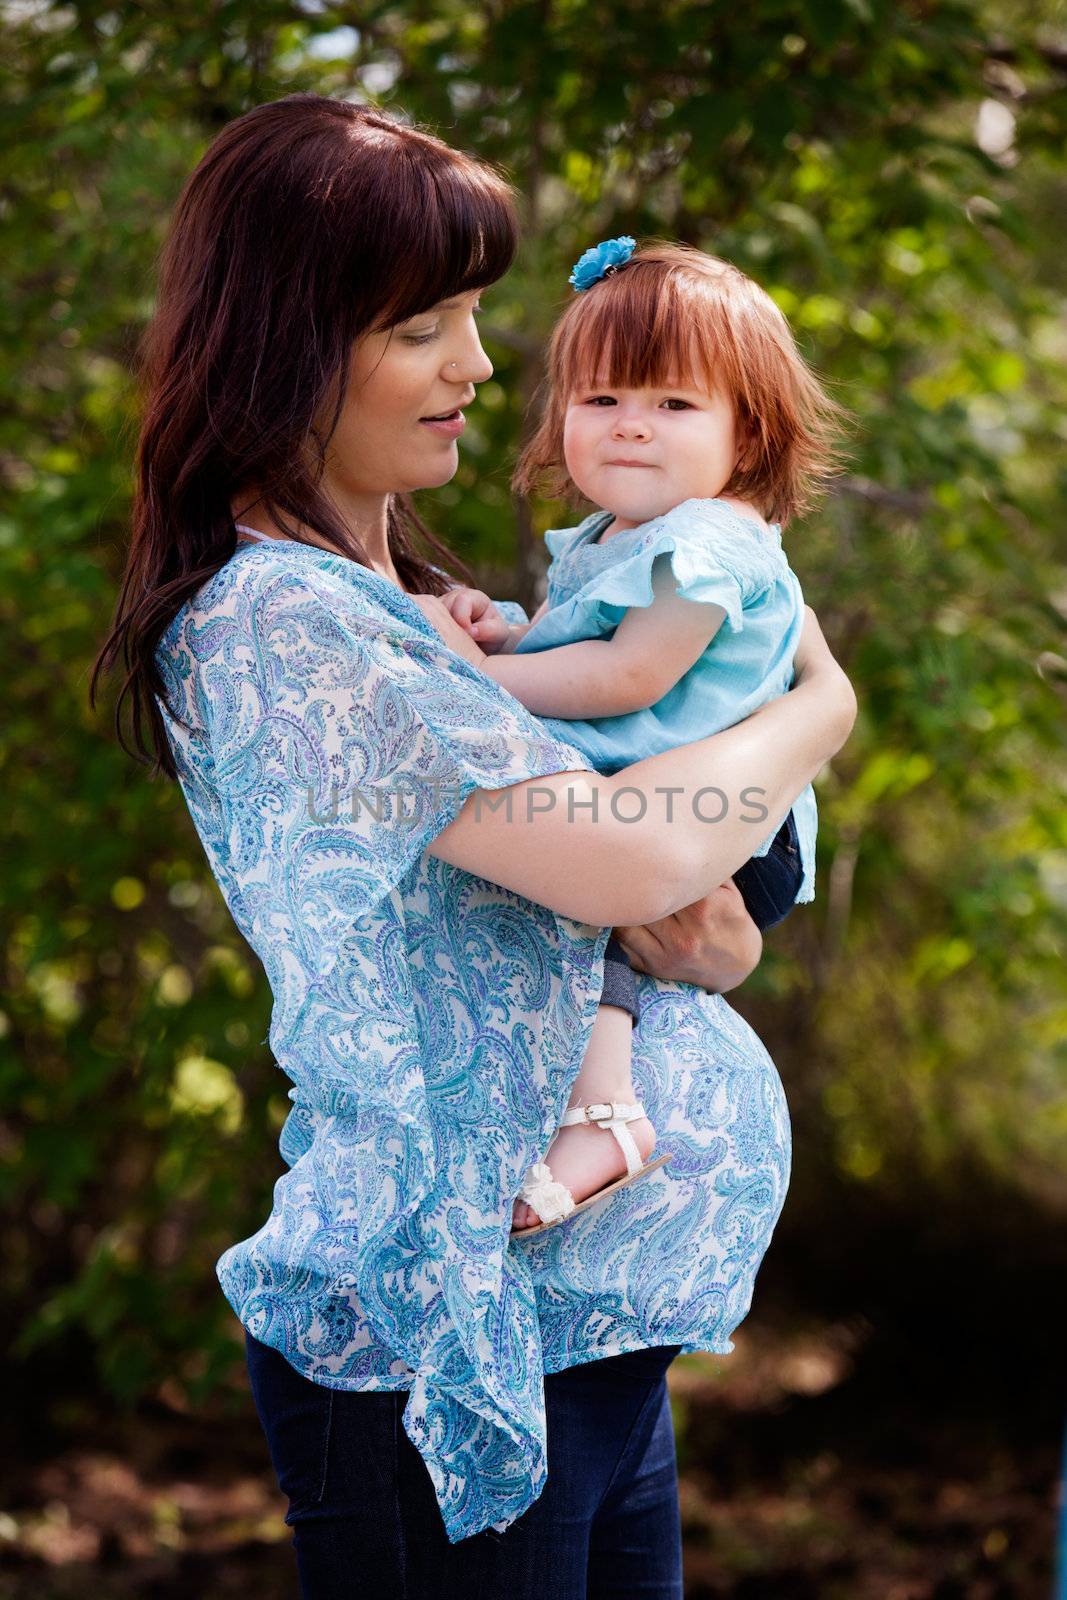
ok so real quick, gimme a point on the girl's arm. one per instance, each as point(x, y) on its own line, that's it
point(652, 647)
point(519, 630)
point(589, 847)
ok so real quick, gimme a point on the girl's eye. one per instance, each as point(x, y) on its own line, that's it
point(609, 400)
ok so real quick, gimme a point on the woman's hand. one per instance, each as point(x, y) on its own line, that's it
point(438, 616)
point(476, 613)
point(814, 663)
point(713, 943)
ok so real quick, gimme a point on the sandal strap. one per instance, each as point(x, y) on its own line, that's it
point(612, 1116)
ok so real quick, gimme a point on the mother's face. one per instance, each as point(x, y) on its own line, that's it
point(423, 368)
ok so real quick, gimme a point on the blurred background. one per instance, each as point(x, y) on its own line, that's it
point(895, 174)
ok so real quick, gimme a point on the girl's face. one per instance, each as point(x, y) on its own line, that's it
point(638, 452)
point(398, 378)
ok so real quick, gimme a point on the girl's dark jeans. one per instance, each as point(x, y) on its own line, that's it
point(620, 984)
point(366, 1522)
point(769, 883)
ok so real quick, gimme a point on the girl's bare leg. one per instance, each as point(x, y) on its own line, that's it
point(585, 1157)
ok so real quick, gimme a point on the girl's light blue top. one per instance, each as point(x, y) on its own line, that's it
point(717, 555)
point(432, 1025)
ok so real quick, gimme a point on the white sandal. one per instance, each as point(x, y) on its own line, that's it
point(552, 1200)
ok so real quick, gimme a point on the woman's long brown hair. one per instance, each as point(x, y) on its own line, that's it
point(308, 222)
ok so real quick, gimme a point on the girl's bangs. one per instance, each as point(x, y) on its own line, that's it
point(635, 337)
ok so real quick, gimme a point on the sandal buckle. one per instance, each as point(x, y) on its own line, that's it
point(600, 1111)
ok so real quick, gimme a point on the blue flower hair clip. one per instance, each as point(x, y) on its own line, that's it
point(602, 259)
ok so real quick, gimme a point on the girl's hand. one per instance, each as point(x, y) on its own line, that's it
point(713, 943)
point(475, 612)
point(438, 616)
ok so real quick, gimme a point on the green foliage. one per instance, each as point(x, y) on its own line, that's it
point(893, 174)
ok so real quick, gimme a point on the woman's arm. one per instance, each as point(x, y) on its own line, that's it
point(591, 848)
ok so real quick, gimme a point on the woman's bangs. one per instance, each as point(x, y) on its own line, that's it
point(460, 233)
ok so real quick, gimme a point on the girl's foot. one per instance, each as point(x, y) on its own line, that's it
point(586, 1158)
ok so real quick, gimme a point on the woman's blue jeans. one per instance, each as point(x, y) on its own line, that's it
point(366, 1522)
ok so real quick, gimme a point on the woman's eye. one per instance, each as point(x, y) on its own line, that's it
point(426, 338)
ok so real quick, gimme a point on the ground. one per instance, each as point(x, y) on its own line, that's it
point(805, 1475)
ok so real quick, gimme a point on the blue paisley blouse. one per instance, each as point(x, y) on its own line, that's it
point(432, 1025)
point(719, 556)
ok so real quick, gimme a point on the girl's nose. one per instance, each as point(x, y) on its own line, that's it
point(631, 426)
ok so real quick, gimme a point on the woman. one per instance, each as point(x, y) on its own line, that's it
point(449, 1410)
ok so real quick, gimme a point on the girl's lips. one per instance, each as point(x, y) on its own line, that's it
point(447, 427)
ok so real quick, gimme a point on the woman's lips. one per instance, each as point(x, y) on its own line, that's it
point(448, 427)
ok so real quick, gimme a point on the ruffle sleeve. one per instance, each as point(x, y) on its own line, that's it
point(560, 539)
point(338, 740)
point(711, 561)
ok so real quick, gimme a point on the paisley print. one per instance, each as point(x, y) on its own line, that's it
point(432, 1025)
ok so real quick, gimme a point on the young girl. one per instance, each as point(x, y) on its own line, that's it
point(679, 404)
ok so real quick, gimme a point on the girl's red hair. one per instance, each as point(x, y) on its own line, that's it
point(672, 315)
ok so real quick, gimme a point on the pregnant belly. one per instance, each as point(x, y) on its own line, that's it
point(717, 1102)
point(676, 1256)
